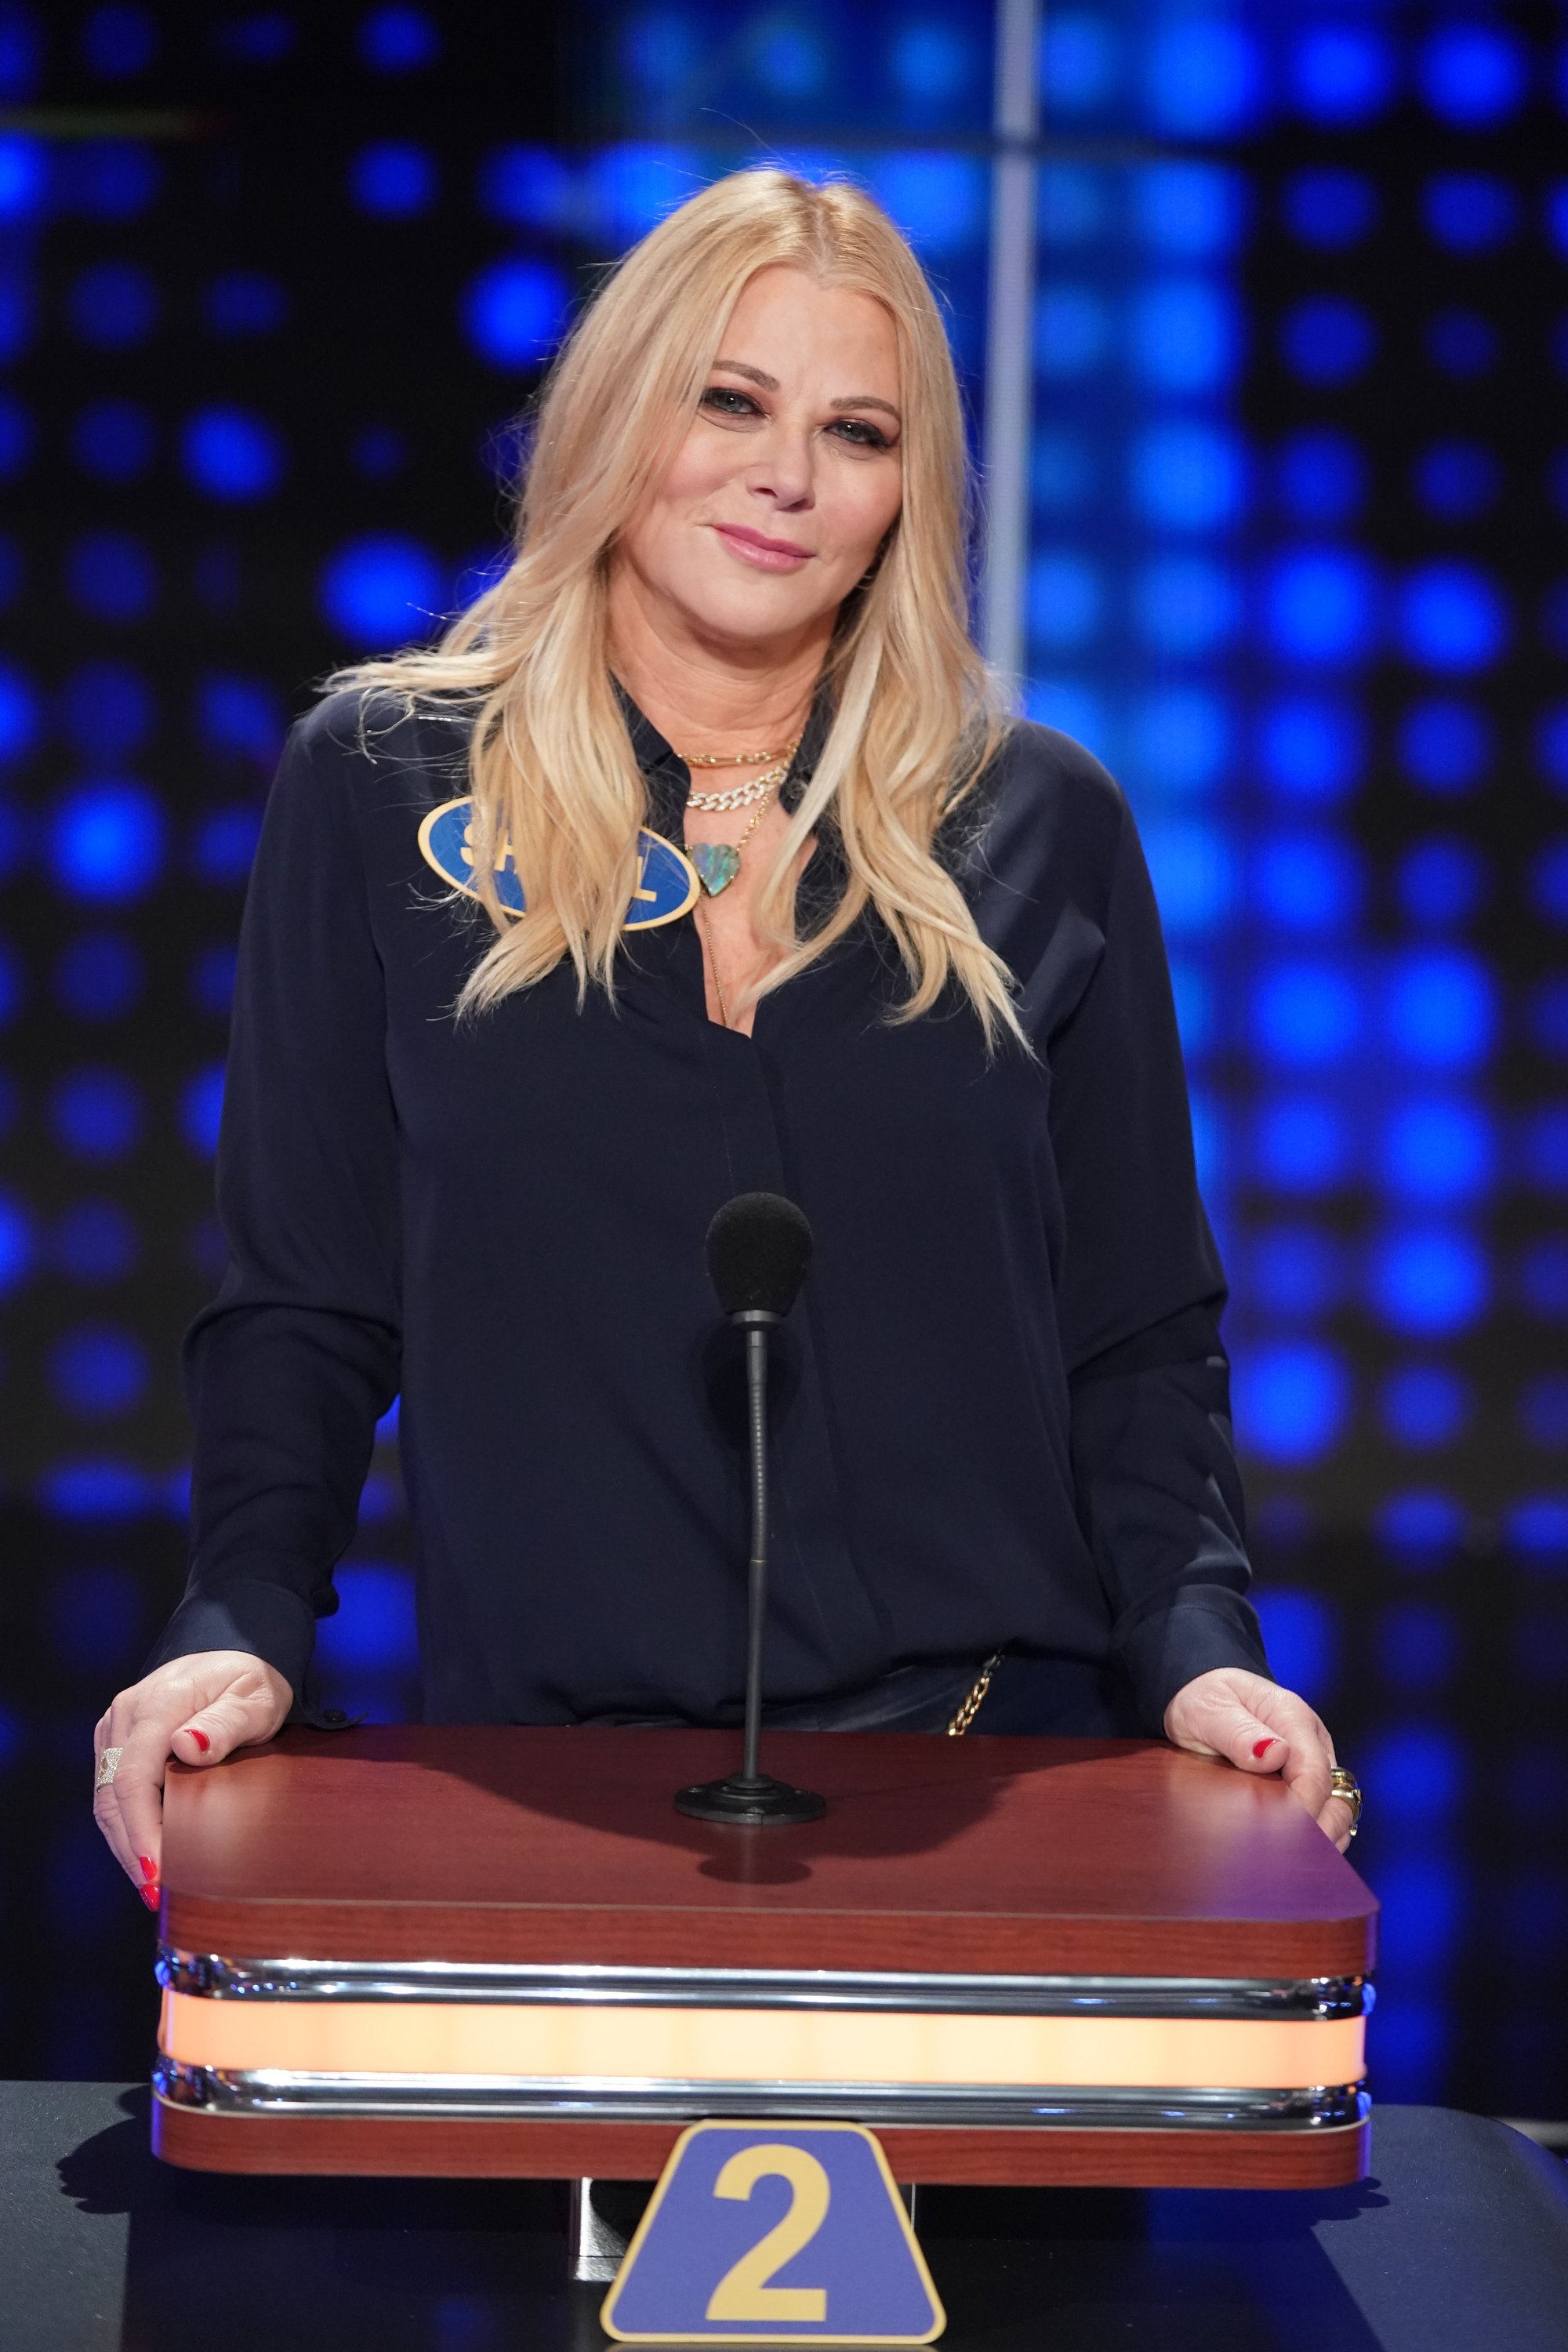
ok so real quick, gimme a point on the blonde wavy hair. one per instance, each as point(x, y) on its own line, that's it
point(916, 713)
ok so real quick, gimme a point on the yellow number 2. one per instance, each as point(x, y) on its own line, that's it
point(743, 2292)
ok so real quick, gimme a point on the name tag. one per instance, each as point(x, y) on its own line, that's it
point(665, 887)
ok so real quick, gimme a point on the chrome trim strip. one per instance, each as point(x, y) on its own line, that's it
point(216, 1978)
point(499, 2098)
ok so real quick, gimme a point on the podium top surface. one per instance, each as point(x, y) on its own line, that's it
point(991, 1855)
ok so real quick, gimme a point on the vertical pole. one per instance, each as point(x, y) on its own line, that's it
point(757, 1592)
point(1015, 115)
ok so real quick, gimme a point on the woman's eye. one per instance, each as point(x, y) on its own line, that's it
point(718, 395)
point(863, 436)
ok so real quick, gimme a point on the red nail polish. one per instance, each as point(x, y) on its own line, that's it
point(203, 1742)
point(1261, 1746)
point(151, 1896)
point(149, 1867)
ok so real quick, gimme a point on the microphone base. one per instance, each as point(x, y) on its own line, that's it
point(751, 1803)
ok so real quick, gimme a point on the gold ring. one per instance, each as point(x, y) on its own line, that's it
point(107, 1766)
point(1344, 1783)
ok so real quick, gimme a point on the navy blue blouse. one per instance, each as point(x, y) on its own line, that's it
point(1000, 1408)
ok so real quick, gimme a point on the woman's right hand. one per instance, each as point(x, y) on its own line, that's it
point(198, 1708)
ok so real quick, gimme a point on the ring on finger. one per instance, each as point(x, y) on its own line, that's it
point(1344, 1785)
point(107, 1766)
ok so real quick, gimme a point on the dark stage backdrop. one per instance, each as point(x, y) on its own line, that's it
point(274, 285)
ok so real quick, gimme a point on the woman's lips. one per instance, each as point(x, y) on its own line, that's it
point(766, 558)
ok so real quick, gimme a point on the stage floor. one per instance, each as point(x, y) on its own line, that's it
point(1458, 2238)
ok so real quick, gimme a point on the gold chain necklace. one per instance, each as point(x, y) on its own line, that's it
point(737, 759)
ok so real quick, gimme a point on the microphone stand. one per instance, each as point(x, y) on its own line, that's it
point(751, 1797)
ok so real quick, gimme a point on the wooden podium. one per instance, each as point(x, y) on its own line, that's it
point(503, 1952)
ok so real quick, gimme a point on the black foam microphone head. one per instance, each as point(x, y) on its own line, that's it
point(759, 1246)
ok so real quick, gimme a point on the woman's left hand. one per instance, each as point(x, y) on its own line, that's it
point(1260, 1728)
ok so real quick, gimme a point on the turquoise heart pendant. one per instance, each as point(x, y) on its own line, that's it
point(716, 864)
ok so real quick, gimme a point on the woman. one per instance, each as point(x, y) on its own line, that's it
point(700, 858)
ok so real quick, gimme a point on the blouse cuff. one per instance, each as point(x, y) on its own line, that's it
point(1199, 1630)
point(252, 1614)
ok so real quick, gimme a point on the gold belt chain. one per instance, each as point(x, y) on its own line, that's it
point(974, 1697)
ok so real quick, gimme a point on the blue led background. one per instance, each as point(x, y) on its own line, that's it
point(274, 286)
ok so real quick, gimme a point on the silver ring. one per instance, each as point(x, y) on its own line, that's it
point(107, 1766)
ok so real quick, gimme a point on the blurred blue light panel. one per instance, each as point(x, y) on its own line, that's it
point(1211, 1141)
point(16, 312)
point(1416, 1644)
point(1186, 605)
point(95, 1241)
point(113, 440)
point(201, 1110)
point(1300, 1633)
point(1469, 212)
point(224, 846)
point(1329, 207)
point(17, 438)
point(111, 576)
point(1306, 882)
point(1321, 606)
point(1461, 344)
point(1203, 77)
point(933, 65)
point(13, 983)
point(108, 179)
point(1075, 709)
point(1543, 1285)
point(398, 41)
point(1415, 2030)
point(1321, 475)
point(1292, 1399)
point(233, 713)
point(1080, 61)
point(107, 842)
point(112, 306)
point(1429, 1281)
point(393, 179)
point(106, 709)
point(382, 590)
point(233, 455)
point(1555, 617)
point(1457, 479)
point(1312, 748)
point(1064, 471)
point(661, 50)
point(1440, 1010)
point(1305, 1015)
point(265, 38)
point(1543, 1411)
point(1547, 1016)
point(1192, 993)
point(532, 187)
point(212, 980)
point(1535, 1775)
point(15, 838)
point(1421, 1772)
point(1193, 211)
point(1452, 616)
point(1327, 338)
point(1074, 204)
point(96, 1114)
point(96, 1618)
point(1293, 1273)
point(1439, 1149)
point(1185, 334)
point(1536, 1528)
point(1543, 1147)
point(1072, 331)
point(20, 713)
point(1557, 481)
point(1187, 474)
point(95, 1490)
point(100, 976)
point(939, 201)
point(374, 1626)
point(1441, 883)
point(1301, 1144)
point(1444, 746)
point(1180, 739)
point(1065, 599)
point(1473, 76)
point(787, 58)
point(1193, 874)
point(378, 451)
point(629, 188)
point(21, 52)
point(1425, 1406)
point(117, 41)
point(514, 312)
point(16, 1243)
point(1549, 882)
point(1340, 75)
point(23, 178)
point(97, 1371)
point(240, 303)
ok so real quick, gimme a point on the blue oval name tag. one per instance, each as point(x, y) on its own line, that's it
point(665, 887)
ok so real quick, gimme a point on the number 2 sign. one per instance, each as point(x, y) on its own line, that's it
point(775, 2233)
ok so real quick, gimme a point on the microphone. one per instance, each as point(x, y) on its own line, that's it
point(759, 1247)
